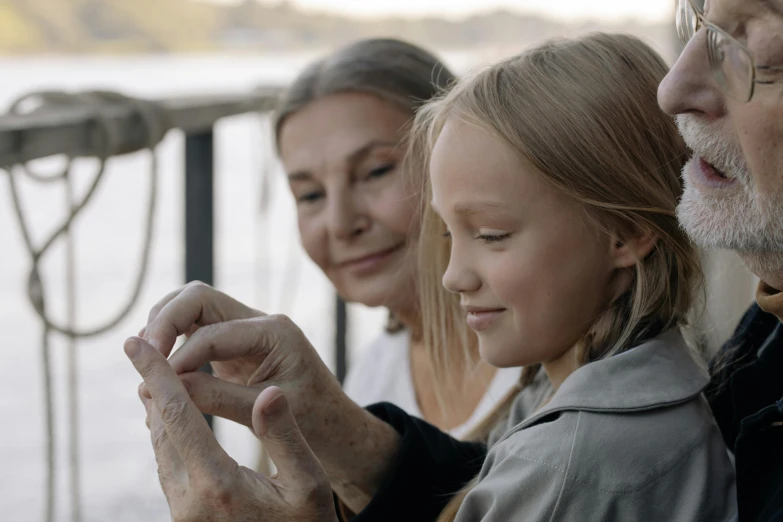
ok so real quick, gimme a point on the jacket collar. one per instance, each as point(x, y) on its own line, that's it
point(657, 373)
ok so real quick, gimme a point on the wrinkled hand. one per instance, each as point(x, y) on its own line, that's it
point(201, 482)
point(249, 352)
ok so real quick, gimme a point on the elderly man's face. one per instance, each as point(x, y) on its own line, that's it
point(734, 182)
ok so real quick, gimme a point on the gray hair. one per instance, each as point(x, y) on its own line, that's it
point(398, 72)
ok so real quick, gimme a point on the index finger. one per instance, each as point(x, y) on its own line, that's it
point(226, 341)
point(195, 304)
point(172, 316)
point(184, 423)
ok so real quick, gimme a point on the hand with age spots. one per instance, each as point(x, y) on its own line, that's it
point(250, 352)
point(201, 482)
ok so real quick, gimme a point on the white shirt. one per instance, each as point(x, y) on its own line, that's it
point(383, 374)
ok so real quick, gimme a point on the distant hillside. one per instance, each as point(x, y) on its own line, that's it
point(110, 26)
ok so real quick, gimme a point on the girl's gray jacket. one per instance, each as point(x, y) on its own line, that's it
point(627, 438)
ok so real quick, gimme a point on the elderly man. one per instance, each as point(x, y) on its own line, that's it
point(726, 93)
point(731, 114)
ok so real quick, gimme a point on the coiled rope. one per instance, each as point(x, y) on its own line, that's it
point(151, 116)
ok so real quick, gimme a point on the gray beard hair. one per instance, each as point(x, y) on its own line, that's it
point(742, 220)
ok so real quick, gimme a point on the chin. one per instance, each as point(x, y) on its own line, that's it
point(498, 355)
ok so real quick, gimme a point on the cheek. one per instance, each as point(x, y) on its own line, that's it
point(312, 232)
point(761, 132)
point(393, 209)
point(554, 294)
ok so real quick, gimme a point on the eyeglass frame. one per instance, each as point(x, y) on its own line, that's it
point(754, 68)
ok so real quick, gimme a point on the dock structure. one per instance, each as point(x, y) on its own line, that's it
point(76, 130)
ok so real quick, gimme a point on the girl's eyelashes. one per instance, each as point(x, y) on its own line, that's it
point(493, 238)
point(486, 238)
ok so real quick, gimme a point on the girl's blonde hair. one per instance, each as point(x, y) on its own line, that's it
point(582, 112)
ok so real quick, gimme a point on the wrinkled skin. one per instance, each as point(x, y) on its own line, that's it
point(201, 482)
point(250, 352)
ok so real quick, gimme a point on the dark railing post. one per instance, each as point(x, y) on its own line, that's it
point(200, 212)
point(340, 339)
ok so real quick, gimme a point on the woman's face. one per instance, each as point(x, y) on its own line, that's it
point(342, 154)
point(531, 271)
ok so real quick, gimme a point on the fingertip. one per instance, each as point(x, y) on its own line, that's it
point(132, 348)
point(269, 403)
point(276, 402)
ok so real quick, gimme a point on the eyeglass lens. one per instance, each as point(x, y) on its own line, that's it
point(731, 65)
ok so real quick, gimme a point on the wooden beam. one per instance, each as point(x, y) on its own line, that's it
point(77, 131)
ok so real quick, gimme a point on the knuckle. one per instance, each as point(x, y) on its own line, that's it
point(198, 288)
point(222, 494)
point(159, 438)
point(281, 320)
point(284, 324)
point(173, 412)
point(215, 489)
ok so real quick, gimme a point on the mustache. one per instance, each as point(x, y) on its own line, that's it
point(714, 146)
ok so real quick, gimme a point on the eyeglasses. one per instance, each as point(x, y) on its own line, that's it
point(731, 63)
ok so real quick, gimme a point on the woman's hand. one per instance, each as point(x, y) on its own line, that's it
point(201, 482)
point(251, 351)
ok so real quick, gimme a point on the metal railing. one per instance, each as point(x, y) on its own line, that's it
point(76, 132)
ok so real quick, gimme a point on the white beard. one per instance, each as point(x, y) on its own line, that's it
point(740, 219)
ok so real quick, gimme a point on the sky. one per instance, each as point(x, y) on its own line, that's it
point(610, 10)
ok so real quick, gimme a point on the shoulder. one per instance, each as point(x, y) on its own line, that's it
point(617, 451)
point(379, 371)
point(618, 464)
point(731, 400)
point(753, 330)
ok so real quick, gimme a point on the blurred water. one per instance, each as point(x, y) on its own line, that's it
point(258, 260)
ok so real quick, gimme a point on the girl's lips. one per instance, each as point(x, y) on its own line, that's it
point(479, 320)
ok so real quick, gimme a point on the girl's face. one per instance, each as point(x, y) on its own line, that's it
point(531, 271)
point(342, 155)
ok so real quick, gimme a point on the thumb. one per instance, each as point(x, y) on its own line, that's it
point(275, 426)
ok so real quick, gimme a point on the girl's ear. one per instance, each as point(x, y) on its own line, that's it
point(631, 246)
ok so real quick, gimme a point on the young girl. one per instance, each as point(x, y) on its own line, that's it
point(553, 186)
point(340, 132)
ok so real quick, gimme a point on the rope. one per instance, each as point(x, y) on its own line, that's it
point(73, 369)
point(97, 101)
